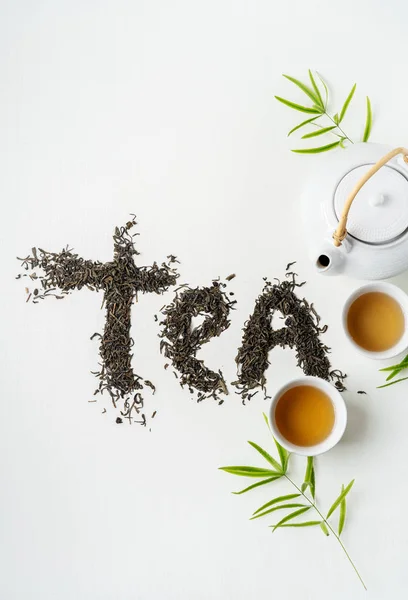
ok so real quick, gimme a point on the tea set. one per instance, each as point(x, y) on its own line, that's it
point(355, 218)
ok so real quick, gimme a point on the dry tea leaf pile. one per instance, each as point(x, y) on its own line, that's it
point(59, 274)
point(120, 280)
point(301, 331)
point(181, 341)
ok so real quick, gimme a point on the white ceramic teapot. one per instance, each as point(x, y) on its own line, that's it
point(365, 188)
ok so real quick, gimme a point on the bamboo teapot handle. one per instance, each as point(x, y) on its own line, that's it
point(341, 231)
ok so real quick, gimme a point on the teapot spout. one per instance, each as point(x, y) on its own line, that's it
point(330, 260)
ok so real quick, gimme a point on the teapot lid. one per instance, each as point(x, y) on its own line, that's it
point(379, 213)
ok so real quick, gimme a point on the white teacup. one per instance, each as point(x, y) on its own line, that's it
point(340, 416)
point(400, 297)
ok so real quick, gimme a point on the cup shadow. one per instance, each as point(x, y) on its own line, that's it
point(357, 424)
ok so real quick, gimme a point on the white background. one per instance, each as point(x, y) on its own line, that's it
point(166, 109)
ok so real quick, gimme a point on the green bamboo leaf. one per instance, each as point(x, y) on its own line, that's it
point(391, 383)
point(394, 367)
point(326, 89)
point(267, 512)
point(323, 527)
point(276, 501)
point(336, 118)
point(393, 374)
point(293, 515)
point(321, 131)
point(313, 483)
point(400, 367)
point(309, 469)
point(403, 364)
point(266, 421)
point(266, 456)
point(304, 524)
point(305, 109)
point(347, 102)
point(312, 95)
point(250, 471)
point(309, 480)
point(258, 483)
point(343, 510)
point(342, 495)
point(283, 455)
point(317, 150)
point(369, 121)
point(302, 124)
point(316, 89)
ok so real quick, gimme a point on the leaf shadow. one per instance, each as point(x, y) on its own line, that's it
point(357, 424)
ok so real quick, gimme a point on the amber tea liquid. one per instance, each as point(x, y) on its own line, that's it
point(304, 415)
point(375, 321)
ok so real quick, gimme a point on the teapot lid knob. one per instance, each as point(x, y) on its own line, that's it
point(377, 200)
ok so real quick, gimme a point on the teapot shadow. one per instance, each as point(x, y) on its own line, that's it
point(357, 424)
point(401, 281)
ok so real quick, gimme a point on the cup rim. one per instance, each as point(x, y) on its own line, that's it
point(340, 413)
point(391, 290)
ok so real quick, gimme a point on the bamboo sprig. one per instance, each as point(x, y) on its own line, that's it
point(395, 370)
point(298, 500)
point(319, 110)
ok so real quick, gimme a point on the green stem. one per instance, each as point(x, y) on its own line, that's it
point(332, 132)
point(338, 127)
point(313, 505)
